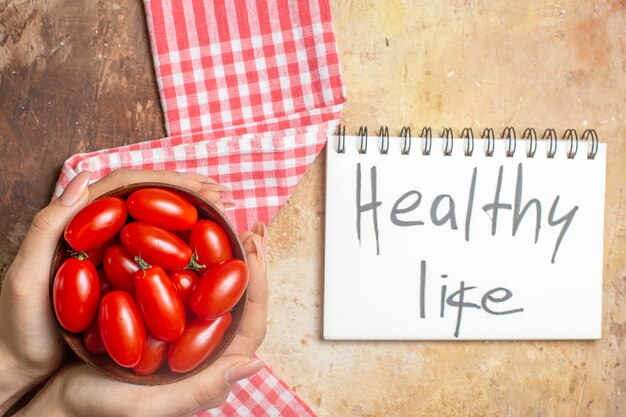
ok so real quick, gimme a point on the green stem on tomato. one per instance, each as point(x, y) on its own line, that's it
point(81, 256)
point(193, 263)
point(142, 264)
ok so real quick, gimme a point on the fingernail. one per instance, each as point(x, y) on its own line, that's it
point(216, 187)
point(228, 204)
point(199, 177)
point(258, 249)
point(260, 229)
point(242, 371)
point(75, 189)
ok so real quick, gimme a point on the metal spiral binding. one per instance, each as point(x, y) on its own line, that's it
point(427, 136)
point(572, 136)
point(491, 141)
point(591, 134)
point(531, 136)
point(550, 134)
point(406, 142)
point(511, 145)
point(384, 140)
point(341, 136)
point(447, 134)
point(467, 134)
point(363, 140)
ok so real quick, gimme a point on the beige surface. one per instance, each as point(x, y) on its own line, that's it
point(462, 63)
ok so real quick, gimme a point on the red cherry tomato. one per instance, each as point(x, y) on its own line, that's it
point(75, 294)
point(199, 340)
point(122, 330)
point(92, 339)
point(96, 223)
point(155, 246)
point(219, 289)
point(184, 281)
point(159, 302)
point(210, 243)
point(153, 357)
point(105, 285)
point(120, 268)
point(162, 208)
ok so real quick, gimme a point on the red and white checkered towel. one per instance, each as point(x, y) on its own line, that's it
point(250, 90)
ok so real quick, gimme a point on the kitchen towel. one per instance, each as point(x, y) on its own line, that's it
point(250, 90)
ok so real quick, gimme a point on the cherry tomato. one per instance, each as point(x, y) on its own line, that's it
point(92, 339)
point(96, 223)
point(155, 246)
point(105, 285)
point(159, 302)
point(75, 294)
point(120, 268)
point(162, 208)
point(200, 339)
point(219, 289)
point(184, 281)
point(153, 357)
point(210, 243)
point(122, 330)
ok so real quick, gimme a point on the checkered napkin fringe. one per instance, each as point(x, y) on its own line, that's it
point(250, 90)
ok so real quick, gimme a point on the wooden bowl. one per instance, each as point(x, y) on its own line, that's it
point(206, 210)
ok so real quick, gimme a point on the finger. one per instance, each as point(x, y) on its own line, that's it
point(205, 186)
point(260, 229)
point(214, 193)
point(228, 204)
point(255, 246)
point(253, 326)
point(199, 177)
point(80, 386)
point(243, 237)
point(47, 227)
point(207, 389)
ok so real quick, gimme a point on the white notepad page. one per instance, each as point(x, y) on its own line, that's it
point(441, 260)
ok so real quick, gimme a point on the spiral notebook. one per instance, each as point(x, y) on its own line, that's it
point(464, 238)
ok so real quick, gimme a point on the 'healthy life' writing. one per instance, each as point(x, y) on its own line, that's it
point(443, 209)
point(489, 302)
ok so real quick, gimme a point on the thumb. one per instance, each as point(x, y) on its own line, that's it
point(48, 224)
point(211, 387)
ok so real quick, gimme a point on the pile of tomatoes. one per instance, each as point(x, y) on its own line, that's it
point(148, 282)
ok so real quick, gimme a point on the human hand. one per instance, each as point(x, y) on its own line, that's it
point(30, 345)
point(77, 389)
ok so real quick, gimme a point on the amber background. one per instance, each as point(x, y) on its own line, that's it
point(74, 77)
